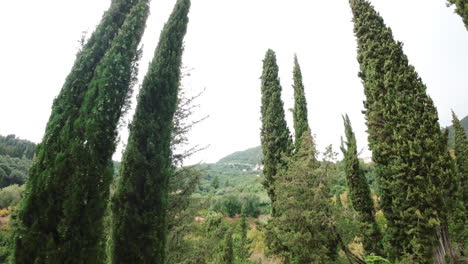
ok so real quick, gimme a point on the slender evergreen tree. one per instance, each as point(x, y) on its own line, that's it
point(228, 250)
point(300, 120)
point(359, 192)
point(406, 141)
point(60, 218)
point(461, 8)
point(460, 216)
point(139, 207)
point(275, 136)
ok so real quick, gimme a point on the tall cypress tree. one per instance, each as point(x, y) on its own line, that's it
point(359, 192)
point(461, 8)
point(460, 216)
point(275, 136)
point(301, 123)
point(139, 227)
point(60, 218)
point(406, 141)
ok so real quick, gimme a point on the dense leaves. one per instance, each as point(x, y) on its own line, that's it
point(300, 119)
point(60, 217)
point(408, 147)
point(141, 200)
point(274, 135)
point(16, 148)
point(459, 217)
point(461, 8)
point(359, 192)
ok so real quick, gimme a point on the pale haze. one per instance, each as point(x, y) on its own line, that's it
point(224, 47)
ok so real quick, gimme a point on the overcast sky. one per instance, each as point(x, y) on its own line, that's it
point(225, 45)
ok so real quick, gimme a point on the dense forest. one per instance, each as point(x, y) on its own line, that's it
point(286, 201)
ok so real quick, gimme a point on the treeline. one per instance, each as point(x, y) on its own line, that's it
point(16, 148)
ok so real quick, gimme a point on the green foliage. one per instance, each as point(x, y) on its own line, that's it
point(16, 148)
point(228, 251)
point(459, 217)
point(243, 251)
point(300, 119)
point(252, 156)
point(11, 195)
point(141, 200)
point(359, 192)
point(451, 130)
point(13, 170)
point(215, 182)
point(461, 8)
point(61, 216)
point(408, 147)
point(274, 135)
point(303, 230)
point(243, 183)
point(373, 259)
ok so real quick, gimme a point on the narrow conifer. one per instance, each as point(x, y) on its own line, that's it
point(359, 192)
point(60, 218)
point(461, 8)
point(460, 216)
point(406, 141)
point(139, 206)
point(300, 119)
point(275, 136)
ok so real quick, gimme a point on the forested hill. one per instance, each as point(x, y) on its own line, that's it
point(252, 156)
point(15, 159)
point(16, 147)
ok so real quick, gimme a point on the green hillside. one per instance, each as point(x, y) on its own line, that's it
point(235, 182)
point(252, 156)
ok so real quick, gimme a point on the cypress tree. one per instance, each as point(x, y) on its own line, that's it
point(406, 141)
point(244, 251)
point(139, 206)
point(461, 8)
point(459, 217)
point(359, 192)
point(60, 218)
point(275, 136)
point(228, 251)
point(301, 123)
point(303, 230)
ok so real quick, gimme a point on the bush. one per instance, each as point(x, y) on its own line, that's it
point(11, 195)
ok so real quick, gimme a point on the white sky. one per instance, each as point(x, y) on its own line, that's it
point(225, 45)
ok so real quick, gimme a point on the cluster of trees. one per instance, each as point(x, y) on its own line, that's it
point(62, 215)
point(16, 147)
point(421, 192)
point(13, 170)
point(65, 215)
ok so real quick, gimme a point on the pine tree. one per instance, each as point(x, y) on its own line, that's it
point(359, 192)
point(406, 141)
point(60, 218)
point(139, 206)
point(301, 123)
point(461, 9)
point(275, 136)
point(459, 217)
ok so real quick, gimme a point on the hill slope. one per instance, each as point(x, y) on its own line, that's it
point(252, 156)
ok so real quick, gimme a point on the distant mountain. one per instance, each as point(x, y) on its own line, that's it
point(252, 157)
point(464, 123)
